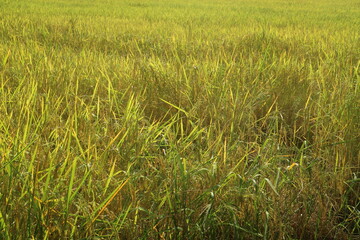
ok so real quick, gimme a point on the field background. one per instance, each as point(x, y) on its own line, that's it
point(204, 119)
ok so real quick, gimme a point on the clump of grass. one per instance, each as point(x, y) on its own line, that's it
point(179, 120)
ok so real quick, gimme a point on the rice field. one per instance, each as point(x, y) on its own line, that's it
point(179, 119)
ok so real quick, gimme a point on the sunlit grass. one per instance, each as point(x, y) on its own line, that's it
point(179, 120)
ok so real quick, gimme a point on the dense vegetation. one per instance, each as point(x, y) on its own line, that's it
point(204, 119)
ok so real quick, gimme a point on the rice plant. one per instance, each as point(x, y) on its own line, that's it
point(156, 119)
